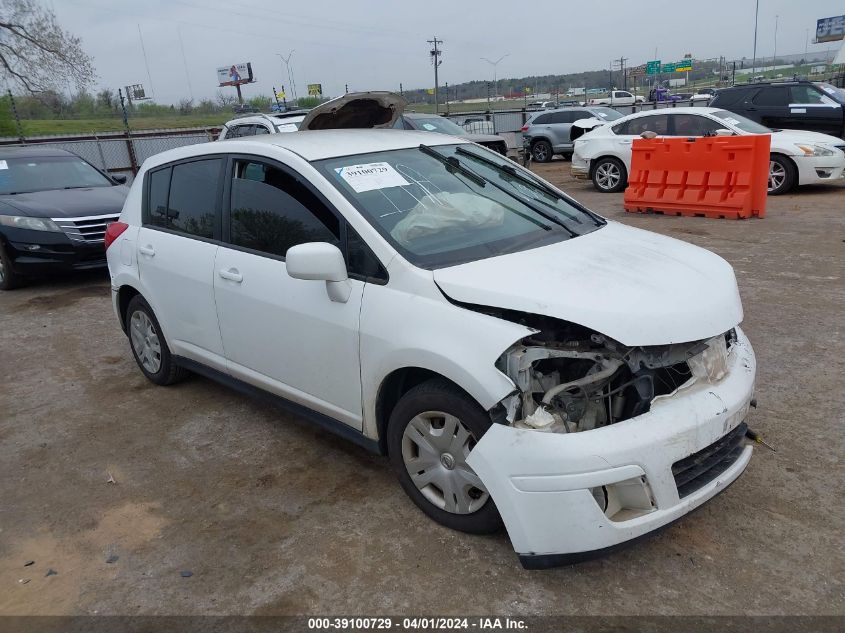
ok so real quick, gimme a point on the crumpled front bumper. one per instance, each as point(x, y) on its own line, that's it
point(544, 483)
point(580, 166)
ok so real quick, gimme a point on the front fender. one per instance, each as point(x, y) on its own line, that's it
point(400, 330)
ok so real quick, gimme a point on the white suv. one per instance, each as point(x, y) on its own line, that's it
point(518, 358)
point(257, 124)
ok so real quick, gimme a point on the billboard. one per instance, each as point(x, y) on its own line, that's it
point(235, 74)
point(315, 90)
point(136, 92)
point(830, 29)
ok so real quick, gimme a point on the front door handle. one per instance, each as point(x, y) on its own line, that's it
point(625, 141)
point(147, 250)
point(232, 275)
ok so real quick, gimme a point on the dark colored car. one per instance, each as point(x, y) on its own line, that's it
point(435, 123)
point(54, 209)
point(791, 105)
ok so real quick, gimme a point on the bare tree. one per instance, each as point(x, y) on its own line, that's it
point(225, 100)
point(186, 106)
point(36, 54)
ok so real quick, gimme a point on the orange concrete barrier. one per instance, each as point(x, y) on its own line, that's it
point(715, 177)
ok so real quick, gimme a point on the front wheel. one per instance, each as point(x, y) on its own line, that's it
point(9, 279)
point(431, 431)
point(609, 175)
point(782, 175)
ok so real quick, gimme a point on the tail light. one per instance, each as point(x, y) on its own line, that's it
point(113, 231)
point(524, 128)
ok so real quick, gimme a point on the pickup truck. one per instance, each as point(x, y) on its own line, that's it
point(617, 98)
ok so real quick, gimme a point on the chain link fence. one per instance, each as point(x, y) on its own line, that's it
point(119, 152)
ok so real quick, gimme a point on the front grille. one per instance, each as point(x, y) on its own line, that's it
point(87, 230)
point(699, 469)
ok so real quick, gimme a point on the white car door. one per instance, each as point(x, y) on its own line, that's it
point(176, 255)
point(281, 334)
point(627, 131)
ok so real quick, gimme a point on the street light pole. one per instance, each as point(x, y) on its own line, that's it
point(775, 54)
point(494, 64)
point(286, 60)
point(754, 63)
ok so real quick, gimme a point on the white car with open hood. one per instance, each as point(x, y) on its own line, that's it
point(520, 360)
point(797, 157)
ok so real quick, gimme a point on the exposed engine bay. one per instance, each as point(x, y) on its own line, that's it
point(573, 379)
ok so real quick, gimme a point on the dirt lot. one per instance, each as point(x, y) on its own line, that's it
point(274, 518)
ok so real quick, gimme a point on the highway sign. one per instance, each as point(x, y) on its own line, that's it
point(653, 67)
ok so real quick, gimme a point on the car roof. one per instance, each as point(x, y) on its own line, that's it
point(25, 152)
point(420, 115)
point(683, 110)
point(314, 144)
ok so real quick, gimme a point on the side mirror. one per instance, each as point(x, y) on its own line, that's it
point(119, 179)
point(320, 261)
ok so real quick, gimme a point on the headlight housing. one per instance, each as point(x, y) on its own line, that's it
point(815, 150)
point(32, 224)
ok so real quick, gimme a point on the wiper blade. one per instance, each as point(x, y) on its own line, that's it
point(514, 173)
point(453, 164)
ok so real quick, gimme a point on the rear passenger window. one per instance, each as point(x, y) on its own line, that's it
point(773, 96)
point(156, 212)
point(192, 203)
point(621, 128)
point(806, 94)
point(543, 119)
point(272, 211)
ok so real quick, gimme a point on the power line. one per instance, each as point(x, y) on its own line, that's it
point(146, 63)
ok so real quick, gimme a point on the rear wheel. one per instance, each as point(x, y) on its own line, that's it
point(782, 175)
point(9, 279)
point(431, 431)
point(609, 175)
point(148, 345)
point(541, 151)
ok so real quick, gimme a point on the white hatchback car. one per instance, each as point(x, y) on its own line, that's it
point(520, 359)
point(798, 157)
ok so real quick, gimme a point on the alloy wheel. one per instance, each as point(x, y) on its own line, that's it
point(777, 175)
point(2, 271)
point(145, 341)
point(435, 446)
point(607, 175)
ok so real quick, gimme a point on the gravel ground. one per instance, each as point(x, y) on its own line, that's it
point(272, 517)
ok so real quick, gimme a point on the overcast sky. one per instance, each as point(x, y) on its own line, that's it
point(376, 45)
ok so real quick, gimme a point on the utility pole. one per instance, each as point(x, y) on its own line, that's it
point(436, 61)
point(286, 60)
point(754, 62)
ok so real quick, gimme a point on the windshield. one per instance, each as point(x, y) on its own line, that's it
point(438, 206)
point(43, 173)
point(741, 123)
point(438, 124)
point(606, 114)
point(833, 91)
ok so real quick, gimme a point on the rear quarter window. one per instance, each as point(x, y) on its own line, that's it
point(725, 98)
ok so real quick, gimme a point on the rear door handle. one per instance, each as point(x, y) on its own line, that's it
point(232, 275)
point(147, 250)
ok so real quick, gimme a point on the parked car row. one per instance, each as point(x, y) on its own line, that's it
point(798, 157)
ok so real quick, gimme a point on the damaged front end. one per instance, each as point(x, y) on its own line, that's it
point(572, 379)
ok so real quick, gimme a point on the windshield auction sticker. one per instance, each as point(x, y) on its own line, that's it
point(371, 176)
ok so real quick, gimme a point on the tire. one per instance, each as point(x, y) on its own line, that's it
point(433, 427)
point(541, 151)
point(567, 156)
point(782, 175)
point(609, 175)
point(9, 279)
point(148, 345)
